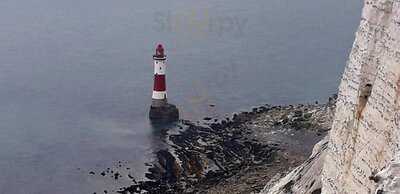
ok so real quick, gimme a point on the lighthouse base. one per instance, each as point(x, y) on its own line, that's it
point(164, 114)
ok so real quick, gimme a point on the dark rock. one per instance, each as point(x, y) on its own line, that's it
point(307, 115)
point(374, 178)
point(116, 176)
point(298, 113)
point(317, 191)
point(288, 186)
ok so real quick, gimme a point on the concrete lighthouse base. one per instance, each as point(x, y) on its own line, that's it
point(164, 114)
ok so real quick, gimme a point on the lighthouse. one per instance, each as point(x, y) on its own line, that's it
point(159, 97)
point(160, 109)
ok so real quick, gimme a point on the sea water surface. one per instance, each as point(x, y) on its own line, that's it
point(76, 76)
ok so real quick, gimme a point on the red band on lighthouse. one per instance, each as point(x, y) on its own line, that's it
point(159, 83)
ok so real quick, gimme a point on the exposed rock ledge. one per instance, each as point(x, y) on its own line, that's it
point(238, 154)
point(363, 150)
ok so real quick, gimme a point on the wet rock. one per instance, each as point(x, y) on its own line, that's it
point(205, 155)
point(307, 115)
point(298, 113)
point(131, 177)
point(116, 175)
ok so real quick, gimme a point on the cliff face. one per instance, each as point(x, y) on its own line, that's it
point(365, 133)
point(363, 146)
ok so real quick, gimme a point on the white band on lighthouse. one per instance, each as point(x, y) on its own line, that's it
point(157, 95)
point(159, 67)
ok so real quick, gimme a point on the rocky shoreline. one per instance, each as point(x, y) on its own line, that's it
point(239, 154)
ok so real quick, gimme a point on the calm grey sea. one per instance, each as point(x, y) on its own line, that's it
point(76, 76)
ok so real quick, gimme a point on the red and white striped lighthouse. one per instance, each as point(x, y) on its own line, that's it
point(160, 109)
point(159, 97)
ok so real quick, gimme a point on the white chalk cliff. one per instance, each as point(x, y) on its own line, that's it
point(362, 152)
